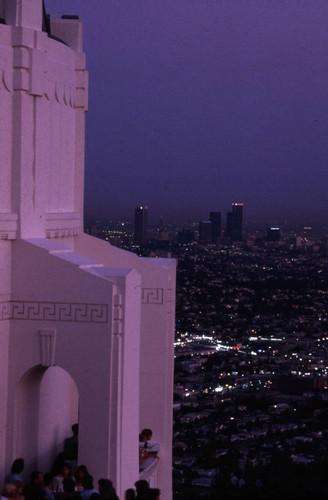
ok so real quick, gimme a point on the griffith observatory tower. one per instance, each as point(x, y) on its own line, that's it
point(86, 329)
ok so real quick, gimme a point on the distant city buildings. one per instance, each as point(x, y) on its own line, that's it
point(140, 225)
point(235, 222)
point(215, 218)
point(251, 369)
point(161, 239)
point(273, 234)
point(205, 232)
point(210, 230)
point(185, 237)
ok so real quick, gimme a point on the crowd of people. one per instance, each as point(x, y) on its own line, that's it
point(62, 484)
point(66, 486)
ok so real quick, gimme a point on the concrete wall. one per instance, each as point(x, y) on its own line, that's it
point(85, 329)
point(94, 315)
point(156, 345)
point(43, 98)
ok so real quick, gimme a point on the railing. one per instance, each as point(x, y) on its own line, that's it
point(148, 470)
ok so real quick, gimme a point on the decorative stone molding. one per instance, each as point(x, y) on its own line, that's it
point(62, 92)
point(4, 310)
point(118, 314)
point(61, 225)
point(8, 226)
point(148, 471)
point(48, 346)
point(54, 311)
point(81, 89)
point(63, 233)
point(152, 296)
point(5, 82)
point(170, 301)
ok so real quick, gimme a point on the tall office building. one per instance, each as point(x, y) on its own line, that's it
point(205, 232)
point(140, 225)
point(273, 234)
point(86, 329)
point(215, 218)
point(235, 222)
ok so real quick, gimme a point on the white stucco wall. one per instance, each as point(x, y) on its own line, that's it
point(85, 328)
point(101, 355)
point(156, 344)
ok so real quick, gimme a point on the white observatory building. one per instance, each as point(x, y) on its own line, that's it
point(86, 329)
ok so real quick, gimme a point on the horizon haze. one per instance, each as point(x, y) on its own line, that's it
point(195, 105)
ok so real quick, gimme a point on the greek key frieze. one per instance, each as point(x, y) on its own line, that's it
point(4, 310)
point(152, 296)
point(54, 311)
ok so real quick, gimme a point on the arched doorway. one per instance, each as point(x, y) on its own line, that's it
point(46, 408)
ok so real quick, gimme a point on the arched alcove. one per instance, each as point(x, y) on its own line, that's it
point(46, 408)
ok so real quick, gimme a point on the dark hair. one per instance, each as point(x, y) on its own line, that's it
point(67, 465)
point(152, 493)
point(145, 433)
point(106, 489)
point(104, 485)
point(141, 485)
point(17, 466)
point(35, 475)
point(75, 429)
point(82, 468)
point(130, 494)
point(57, 466)
point(87, 482)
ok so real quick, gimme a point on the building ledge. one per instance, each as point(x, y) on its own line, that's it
point(148, 468)
point(62, 224)
point(8, 226)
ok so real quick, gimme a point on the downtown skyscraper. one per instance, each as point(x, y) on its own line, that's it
point(235, 222)
point(140, 225)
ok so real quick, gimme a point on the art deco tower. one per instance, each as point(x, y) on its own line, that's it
point(140, 225)
point(86, 329)
point(235, 222)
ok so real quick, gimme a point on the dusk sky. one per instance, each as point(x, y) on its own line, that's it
point(195, 104)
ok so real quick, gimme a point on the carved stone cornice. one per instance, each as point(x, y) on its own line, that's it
point(8, 226)
point(72, 312)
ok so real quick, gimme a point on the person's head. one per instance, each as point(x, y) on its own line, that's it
point(58, 464)
point(10, 490)
point(130, 494)
point(20, 486)
point(66, 470)
point(48, 479)
point(152, 494)
point(141, 485)
point(36, 477)
point(17, 466)
point(106, 489)
point(81, 471)
point(146, 435)
point(75, 429)
point(104, 486)
point(88, 482)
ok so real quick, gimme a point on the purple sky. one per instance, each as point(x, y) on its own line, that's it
point(195, 104)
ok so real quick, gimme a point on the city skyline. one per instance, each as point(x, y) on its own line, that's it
point(208, 102)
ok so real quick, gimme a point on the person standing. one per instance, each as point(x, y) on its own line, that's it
point(15, 471)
